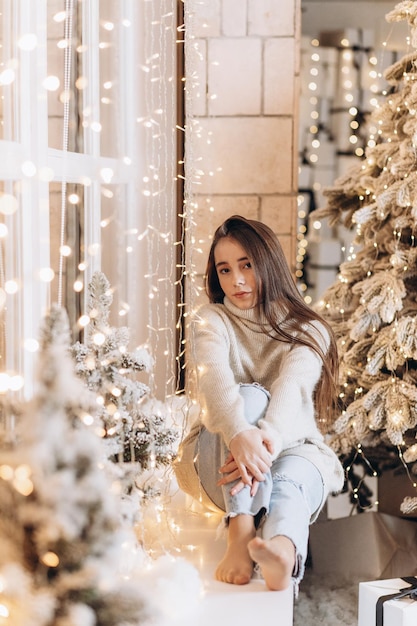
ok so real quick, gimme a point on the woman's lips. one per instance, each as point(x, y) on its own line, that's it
point(241, 294)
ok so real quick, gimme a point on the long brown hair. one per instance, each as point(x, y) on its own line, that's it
point(278, 292)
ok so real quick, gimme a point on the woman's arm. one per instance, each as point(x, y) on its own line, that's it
point(222, 403)
point(218, 390)
point(291, 410)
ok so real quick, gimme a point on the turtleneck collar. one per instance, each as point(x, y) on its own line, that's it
point(251, 315)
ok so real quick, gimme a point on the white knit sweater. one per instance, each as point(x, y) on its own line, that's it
point(229, 348)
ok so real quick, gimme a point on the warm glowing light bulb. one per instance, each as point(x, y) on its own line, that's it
point(8, 204)
point(60, 16)
point(84, 320)
point(7, 77)
point(73, 198)
point(11, 287)
point(81, 82)
point(51, 83)
point(99, 339)
point(94, 249)
point(16, 382)
point(31, 345)
point(28, 168)
point(23, 485)
point(6, 472)
point(46, 274)
point(106, 174)
point(50, 559)
point(88, 419)
point(65, 250)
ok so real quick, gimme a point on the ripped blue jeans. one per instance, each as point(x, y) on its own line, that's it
point(285, 502)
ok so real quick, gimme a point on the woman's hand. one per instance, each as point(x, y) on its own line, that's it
point(231, 473)
point(249, 459)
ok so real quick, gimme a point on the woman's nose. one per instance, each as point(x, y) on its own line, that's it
point(239, 279)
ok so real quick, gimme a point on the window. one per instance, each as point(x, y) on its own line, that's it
point(87, 170)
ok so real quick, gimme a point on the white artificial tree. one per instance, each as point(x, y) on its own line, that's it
point(373, 304)
point(68, 558)
point(62, 561)
point(138, 433)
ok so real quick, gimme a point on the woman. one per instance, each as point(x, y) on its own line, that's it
point(266, 367)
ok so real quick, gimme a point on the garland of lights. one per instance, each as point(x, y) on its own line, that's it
point(69, 9)
point(310, 152)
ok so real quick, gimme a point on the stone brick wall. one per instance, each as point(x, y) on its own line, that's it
point(244, 112)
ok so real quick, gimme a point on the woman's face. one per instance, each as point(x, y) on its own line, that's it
point(235, 272)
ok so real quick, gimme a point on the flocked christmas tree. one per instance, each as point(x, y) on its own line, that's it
point(373, 305)
point(62, 557)
point(137, 432)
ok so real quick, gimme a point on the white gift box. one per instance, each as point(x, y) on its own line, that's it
point(396, 612)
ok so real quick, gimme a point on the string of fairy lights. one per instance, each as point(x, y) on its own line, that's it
point(356, 93)
point(63, 249)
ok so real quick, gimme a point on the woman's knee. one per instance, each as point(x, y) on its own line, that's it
point(297, 478)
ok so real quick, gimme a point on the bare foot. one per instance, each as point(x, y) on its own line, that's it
point(236, 566)
point(276, 558)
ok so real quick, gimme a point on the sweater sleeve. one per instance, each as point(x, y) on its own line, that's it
point(292, 393)
point(221, 403)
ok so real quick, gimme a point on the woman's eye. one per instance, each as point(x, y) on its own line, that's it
point(248, 265)
point(224, 271)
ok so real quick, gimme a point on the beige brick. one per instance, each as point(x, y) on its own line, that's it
point(272, 17)
point(213, 210)
point(210, 213)
point(279, 213)
point(204, 20)
point(279, 76)
point(234, 18)
point(288, 245)
point(234, 76)
point(248, 155)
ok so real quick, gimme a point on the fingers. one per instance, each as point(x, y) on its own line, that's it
point(232, 471)
point(228, 466)
point(240, 485)
point(254, 487)
point(229, 478)
point(237, 488)
point(257, 471)
point(269, 445)
point(246, 472)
